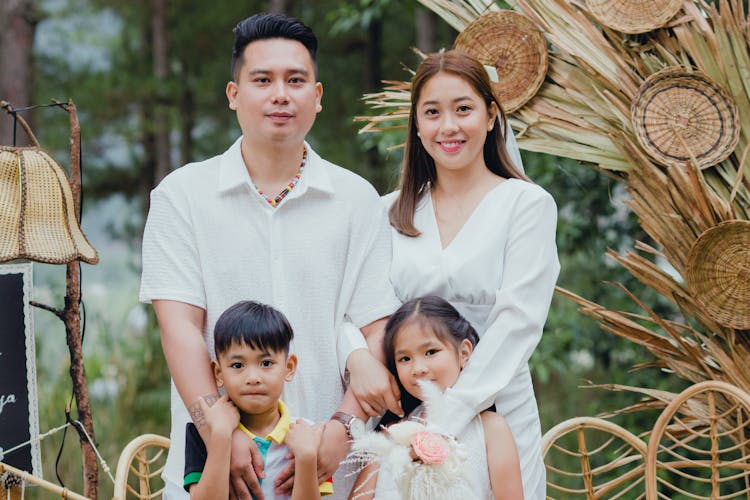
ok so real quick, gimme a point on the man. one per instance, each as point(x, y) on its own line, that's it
point(270, 220)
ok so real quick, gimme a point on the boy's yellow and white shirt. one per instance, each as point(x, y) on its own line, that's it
point(272, 448)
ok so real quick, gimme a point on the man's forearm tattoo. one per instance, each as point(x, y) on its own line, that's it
point(196, 413)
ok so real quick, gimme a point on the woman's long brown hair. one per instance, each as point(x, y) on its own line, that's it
point(418, 170)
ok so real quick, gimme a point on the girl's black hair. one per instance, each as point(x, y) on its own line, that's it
point(435, 313)
point(257, 325)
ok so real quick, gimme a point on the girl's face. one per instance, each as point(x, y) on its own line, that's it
point(420, 354)
point(453, 121)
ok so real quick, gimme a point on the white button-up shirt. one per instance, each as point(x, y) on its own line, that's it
point(321, 256)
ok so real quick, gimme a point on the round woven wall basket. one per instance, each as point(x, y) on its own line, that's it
point(634, 16)
point(676, 113)
point(718, 273)
point(515, 47)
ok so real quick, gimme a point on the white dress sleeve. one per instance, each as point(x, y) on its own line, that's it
point(522, 301)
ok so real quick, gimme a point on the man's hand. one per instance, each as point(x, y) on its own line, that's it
point(246, 466)
point(373, 385)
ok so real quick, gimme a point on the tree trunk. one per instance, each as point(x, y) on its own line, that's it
point(187, 122)
point(17, 23)
point(426, 23)
point(160, 69)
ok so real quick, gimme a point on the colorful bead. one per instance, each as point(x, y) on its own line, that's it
point(275, 201)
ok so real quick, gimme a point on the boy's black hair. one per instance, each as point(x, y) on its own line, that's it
point(265, 26)
point(257, 325)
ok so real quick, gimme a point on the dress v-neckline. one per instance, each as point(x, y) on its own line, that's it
point(436, 226)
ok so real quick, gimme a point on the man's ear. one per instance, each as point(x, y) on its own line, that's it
point(319, 100)
point(217, 373)
point(232, 91)
point(464, 352)
point(291, 367)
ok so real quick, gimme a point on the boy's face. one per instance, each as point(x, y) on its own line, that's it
point(254, 378)
point(276, 95)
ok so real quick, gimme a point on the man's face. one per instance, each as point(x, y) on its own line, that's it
point(275, 96)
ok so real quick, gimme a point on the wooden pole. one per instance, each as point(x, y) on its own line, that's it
point(72, 319)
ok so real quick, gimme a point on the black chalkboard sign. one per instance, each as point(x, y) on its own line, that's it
point(18, 404)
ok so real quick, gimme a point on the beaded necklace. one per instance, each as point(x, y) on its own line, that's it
point(276, 200)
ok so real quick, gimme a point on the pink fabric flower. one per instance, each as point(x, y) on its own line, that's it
point(429, 447)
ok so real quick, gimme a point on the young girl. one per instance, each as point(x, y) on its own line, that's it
point(428, 340)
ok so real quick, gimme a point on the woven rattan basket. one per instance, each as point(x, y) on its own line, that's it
point(515, 47)
point(718, 273)
point(634, 16)
point(37, 216)
point(677, 114)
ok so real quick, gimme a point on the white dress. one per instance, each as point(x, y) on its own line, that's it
point(476, 473)
point(499, 272)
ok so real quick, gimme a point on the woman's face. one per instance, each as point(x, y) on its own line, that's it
point(453, 121)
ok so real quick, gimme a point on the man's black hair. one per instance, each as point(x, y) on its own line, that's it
point(256, 325)
point(266, 26)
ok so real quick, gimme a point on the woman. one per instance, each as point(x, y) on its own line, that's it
point(467, 226)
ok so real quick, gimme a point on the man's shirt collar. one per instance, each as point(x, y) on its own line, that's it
point(233, 172)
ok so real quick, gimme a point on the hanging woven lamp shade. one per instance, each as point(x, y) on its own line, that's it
point(37, 215)
point(515, 47)
point(718, 273)
point(634, 16)
point(677, 113)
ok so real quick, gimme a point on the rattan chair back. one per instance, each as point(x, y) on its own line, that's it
point(592, 458)
point(514, 46)
point(140, 467)
point(700, 445)
point(634, 16)
point(679, 116)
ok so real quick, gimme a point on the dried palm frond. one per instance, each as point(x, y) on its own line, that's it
point(583, 111)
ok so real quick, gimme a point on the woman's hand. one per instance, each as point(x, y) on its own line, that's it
point(373, 385)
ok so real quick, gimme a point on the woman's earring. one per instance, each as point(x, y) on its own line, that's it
point(419, 135)
point(490, 126)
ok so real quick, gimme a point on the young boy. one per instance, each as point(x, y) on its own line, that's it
point(252, 364)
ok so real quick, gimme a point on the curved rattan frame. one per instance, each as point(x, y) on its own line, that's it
point(506, 39)
point(712, 412)
point(630, 455)
point(139, 457)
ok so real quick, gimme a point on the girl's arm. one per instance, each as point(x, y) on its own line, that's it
point(522, 300)
point(502, 458)
point(364, 486)
point(221, 418)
